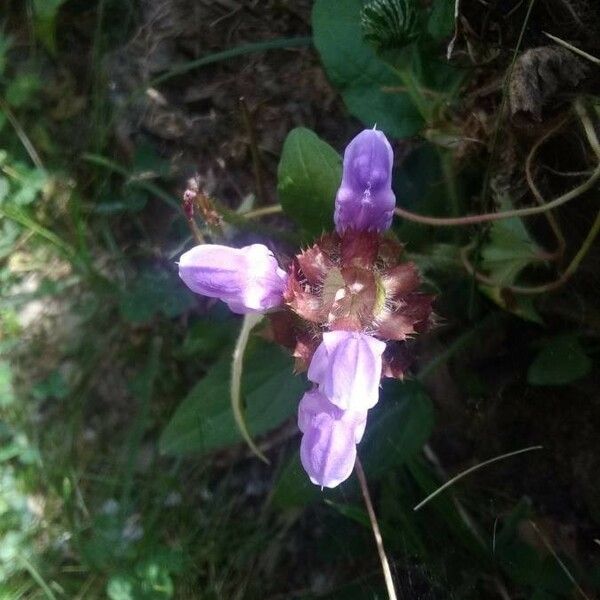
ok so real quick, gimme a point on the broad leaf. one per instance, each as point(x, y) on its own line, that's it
point(508, 251)
point(155, 292)
point(366, 82)
point(561, 361)
point(309, 175)
point(399, 427)
point(204, 420)
point(521, 306)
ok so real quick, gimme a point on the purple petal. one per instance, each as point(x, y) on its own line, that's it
point(248, 279)
point(315, 402)
point(347, 368)
point(365, 200)
point(328, 450)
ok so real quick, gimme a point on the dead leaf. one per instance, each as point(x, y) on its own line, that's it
point(539, 76)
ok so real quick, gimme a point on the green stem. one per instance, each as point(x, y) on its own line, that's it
point(413, 89)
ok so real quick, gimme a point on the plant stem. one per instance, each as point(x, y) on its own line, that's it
point(456, 478)
point(385, 565)
point(262, 212)
point(29, 147)
point(414, 92)
point(237, 367)
point(498, 216)
point(256, 163)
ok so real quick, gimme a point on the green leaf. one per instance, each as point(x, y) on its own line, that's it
point(309, 174)
point(441, 19)
point(121, 587)
point(561, 361)
point(293, 487)
point(54, 386)
point(7, 395)
point(207, 337)
point(351, 512)
point(26, 186)
point(22, 88)
point(399, 427)
point(508, 251)
point(519, 305)
point(155, 292)
point(204, 421)
point(354, 68)
point(45, 13)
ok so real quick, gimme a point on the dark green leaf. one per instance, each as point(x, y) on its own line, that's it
point(22, 89)
point(204, 420)
point(441, 19)
point(354, 68)
point(54, 386)
point(509, 250)
point(207, 337)
point(309, 175)
point(294, 488)
point(560, 361)
point(522, 306)
point(398, 427)
point(155, 292)
point(352, 512)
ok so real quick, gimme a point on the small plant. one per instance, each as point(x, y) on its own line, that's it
point(350, 305)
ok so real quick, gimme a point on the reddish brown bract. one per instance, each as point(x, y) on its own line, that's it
point(354, 282)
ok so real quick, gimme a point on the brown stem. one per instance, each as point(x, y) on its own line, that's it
point(385, 565)
point(498, 216)
point(560, 238)
point(256, 162)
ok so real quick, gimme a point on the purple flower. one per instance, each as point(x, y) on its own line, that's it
point(347, 283)
point(247, 279)
point(330, 435)
point(365, 199)
point(347, 368)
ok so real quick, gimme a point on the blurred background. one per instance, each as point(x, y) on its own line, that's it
point(122, 472)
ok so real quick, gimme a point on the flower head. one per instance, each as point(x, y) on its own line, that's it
point(365, 199)
point(348, 304)
point(247, 279)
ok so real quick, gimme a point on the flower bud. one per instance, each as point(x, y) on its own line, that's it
point(247, 279)
point(365, 200)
